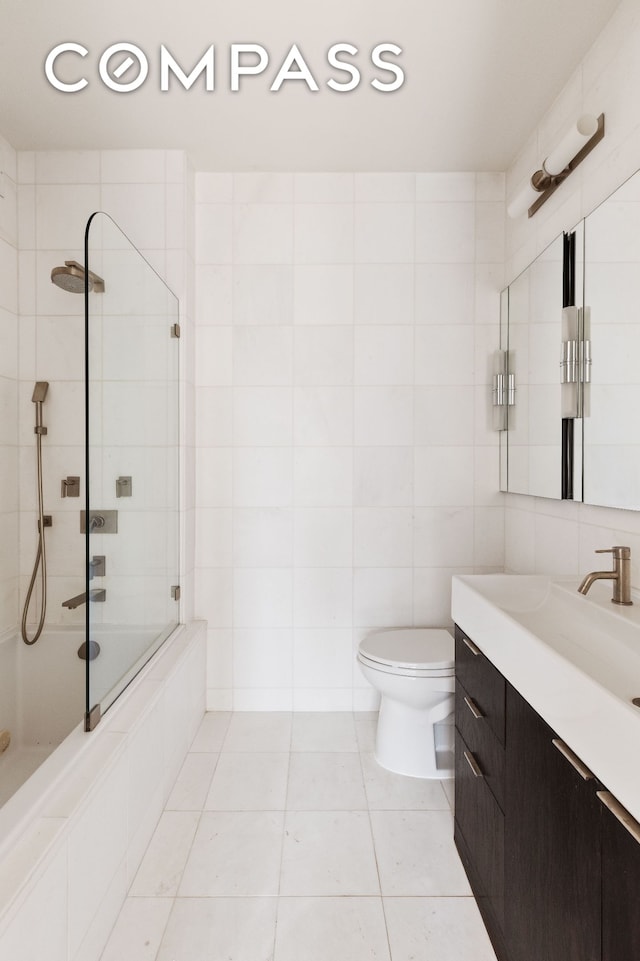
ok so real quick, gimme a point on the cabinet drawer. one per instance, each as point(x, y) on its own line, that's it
point(482, 682)
point(481, 741)
point(479, 830)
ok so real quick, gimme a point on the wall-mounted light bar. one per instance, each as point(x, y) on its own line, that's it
point(577, 143)
point(503, 389)
point(575, 361)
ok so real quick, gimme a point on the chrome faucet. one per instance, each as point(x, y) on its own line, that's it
point(98, 595)
point(620, 575)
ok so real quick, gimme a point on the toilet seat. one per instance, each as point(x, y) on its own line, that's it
point(404, 671)
point(413, 652)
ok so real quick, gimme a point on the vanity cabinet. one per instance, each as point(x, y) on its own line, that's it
point(555, 872)
point(479, 768)
point(620, 883)
point(552, 863)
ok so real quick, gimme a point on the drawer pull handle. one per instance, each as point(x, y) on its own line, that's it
point(620, 813)
point(471, 645)
point(473, 707)
point(573, 760)
point(473, 764)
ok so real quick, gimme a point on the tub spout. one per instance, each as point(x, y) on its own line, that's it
point(98, 595)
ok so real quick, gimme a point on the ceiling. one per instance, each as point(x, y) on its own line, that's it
point(479, 75)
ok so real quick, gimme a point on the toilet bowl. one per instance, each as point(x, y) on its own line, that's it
point(413, 669)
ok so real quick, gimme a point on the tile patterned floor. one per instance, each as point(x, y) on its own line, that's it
point(283, 840)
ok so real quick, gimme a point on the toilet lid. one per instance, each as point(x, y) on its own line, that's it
point(422, 647)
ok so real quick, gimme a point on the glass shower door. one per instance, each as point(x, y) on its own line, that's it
point(131, 511)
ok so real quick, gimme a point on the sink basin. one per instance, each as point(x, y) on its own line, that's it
point(575, 658)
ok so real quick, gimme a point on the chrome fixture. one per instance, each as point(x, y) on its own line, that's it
point(98, 595)
point(106, 522)
point(71, 277)
point(97, 566)
point(70, 487)
point(124, 487)
point(88, 650)
point(503, 389)
point(576, 144)
point(620, 575)
point(38, 397)
point(575, 361)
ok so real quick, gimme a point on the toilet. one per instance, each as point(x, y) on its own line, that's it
point(413, 669)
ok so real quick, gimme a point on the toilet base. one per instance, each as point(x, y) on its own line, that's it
point(405, 742)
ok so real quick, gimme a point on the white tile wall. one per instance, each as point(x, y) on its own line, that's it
point(544, 535)
point(342, 321)
point(148, 194)
point(9, 374)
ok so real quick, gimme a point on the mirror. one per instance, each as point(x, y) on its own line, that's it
point(573, 344)
point(541, 440)
point(612, 296)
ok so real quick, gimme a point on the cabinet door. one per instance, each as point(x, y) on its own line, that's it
point(620, 885)
point(552, 851)
point(479, 836)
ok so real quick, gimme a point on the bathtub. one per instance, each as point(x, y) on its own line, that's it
point(41, 701)
point(42, 690)
point(72, 836)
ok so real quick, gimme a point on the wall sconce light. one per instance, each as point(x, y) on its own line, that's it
point(575, 361)
point(503, 390)
point(576, 144)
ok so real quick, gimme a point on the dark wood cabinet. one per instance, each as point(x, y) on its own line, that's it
point(552, 858)
point(620, 883)
point(479, 837)
point(552, 865)
point(479, 768)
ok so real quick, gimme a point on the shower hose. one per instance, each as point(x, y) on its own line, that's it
point(40, 562)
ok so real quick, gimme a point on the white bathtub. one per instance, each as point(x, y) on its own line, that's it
point(73, 835)
point(42, 690)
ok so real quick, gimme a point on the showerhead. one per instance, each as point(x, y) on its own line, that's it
point(40, 391)
point(71, 277)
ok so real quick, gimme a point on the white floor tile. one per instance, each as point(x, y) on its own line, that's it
point(192, 784)
point(234, 854)
point(330, 731)
point(328, 853)
point(324, 929)
point(416, 854)
point(437, 929)
point(138, 931)
point(449, 790)
point(395, 792)
point(366, 728)
point(219, 929)
point(211, 732)
point(249, 782)
point(289, 817)
point(326, 782)
point(259, 731)
point(162, 866)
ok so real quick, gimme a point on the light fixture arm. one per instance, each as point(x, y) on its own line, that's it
point(577, 144)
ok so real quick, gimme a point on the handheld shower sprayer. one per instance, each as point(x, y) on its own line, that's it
point(38, 397)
